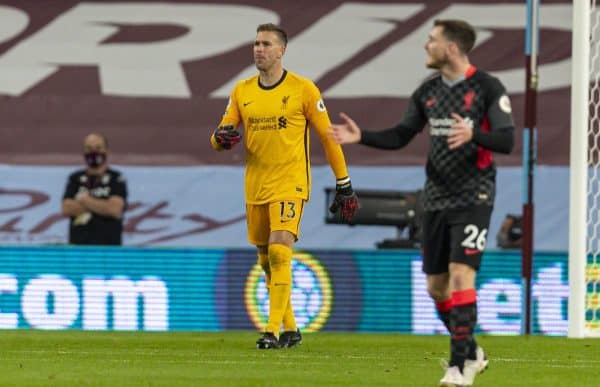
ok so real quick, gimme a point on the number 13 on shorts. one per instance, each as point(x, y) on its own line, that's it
point(286, 215)
point(287, 210)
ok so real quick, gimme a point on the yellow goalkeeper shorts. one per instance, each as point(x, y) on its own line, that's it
point(262, 219)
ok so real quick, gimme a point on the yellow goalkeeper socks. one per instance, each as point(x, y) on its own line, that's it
point(263, 261)
point(289, 320)
point(280, 261)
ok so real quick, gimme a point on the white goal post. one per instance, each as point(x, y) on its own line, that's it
point(584, 206)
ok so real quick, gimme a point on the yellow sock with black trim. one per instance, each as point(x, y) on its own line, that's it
point(280, 261)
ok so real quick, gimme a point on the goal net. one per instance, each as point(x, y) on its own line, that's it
point(584, 208)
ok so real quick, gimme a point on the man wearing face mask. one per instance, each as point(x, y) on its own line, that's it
point(95, 198)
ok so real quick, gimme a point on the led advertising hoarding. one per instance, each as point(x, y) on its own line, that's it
point(164, 289)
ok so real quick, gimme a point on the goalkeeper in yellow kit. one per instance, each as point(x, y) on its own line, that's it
point(276, 108)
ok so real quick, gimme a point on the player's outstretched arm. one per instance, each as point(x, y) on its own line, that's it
point(348, 132)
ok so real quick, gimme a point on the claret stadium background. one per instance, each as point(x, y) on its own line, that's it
point(154, 77)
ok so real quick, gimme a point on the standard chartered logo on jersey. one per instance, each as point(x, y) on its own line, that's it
point(311, 294)
point(267, 123)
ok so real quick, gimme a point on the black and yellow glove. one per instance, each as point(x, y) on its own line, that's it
point(345, 200)
point(227, 136)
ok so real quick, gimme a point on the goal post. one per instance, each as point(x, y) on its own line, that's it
point(584, 199)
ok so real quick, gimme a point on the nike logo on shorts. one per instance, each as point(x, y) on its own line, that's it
point(471, 251)
point(247, 103)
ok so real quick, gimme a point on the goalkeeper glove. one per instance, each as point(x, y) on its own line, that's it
point(345, 199)
point(227, 136)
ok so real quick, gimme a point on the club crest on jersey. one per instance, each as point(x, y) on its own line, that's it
point(321, 105)
point(284, 102)
point(468, 100)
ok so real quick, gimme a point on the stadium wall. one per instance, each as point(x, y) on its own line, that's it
point(175, 206)
point(174, 289)
point(162, 71)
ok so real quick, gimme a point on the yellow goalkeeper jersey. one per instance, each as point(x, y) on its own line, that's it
point(276, 121)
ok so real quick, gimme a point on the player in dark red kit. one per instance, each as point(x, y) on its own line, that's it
point(469, 117)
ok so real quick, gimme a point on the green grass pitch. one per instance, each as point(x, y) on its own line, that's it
point(78, 358)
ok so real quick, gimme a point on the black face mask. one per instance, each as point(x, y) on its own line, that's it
point(94, 159)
